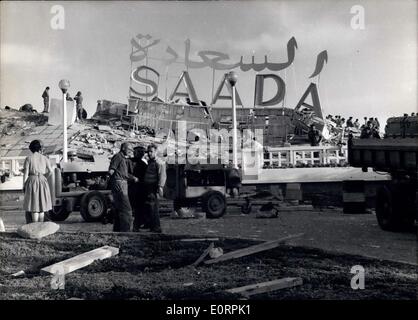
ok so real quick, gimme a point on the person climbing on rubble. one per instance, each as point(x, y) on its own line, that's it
point(137, 167)
point(37, 195)
point(79, 105)
point(119, 177)
point(45, 97)
point(154, 181)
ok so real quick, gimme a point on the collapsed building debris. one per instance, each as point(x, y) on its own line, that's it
point(14, 122)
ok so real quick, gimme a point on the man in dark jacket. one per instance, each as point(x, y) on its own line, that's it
point(136, 189)
point(45, 96)
point(154, 181)
point(314, 136)
point(119, 177)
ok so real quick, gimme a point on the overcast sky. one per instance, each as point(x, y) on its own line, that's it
point(370, 72)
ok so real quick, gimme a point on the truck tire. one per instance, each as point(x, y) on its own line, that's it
point(93, 206)
point(214, 204)
point(58, 213)
point(392, 209)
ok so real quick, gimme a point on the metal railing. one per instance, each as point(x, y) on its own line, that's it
point(294, 155)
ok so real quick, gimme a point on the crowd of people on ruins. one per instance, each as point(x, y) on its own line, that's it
point(369, 128)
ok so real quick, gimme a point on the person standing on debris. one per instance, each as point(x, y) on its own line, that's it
point(79, 105)
point(314, 136)
point(45, 96)
point(154, 181)
point(137, 168)
point(376, 124)
point(37, 169)
point(119, 177)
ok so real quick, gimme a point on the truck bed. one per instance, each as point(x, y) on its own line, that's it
point(390, 154)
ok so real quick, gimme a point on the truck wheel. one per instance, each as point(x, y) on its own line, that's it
point(214, 204)
point(392, 207)
point(58, 213)
point(93, 206)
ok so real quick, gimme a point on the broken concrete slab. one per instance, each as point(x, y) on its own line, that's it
point(105, 128)
point(37, 230)
point(216, 252)
point(18, 274)
point(81, 260)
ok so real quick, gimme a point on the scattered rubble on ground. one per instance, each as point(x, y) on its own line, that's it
point(159, 267)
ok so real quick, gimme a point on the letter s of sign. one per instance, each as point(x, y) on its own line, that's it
point(357, 281)
point(357, 21)
point(146, 82)
point(58, 20)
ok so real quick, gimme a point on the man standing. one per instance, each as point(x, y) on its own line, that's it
point(45, 96)
point(119, 178)
point(314, 136)
point(154, 181)
point(79, 105)
point(136, 189)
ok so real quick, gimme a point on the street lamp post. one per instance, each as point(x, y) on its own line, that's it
point(232, 79)
point(64, 85)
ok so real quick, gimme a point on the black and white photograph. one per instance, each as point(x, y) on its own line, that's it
point(227, 152)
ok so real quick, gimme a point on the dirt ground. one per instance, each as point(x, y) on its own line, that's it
point(330, 230)
point(151, 266)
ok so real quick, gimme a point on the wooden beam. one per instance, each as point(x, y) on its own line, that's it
point(268, 286)
point(81, 260)
point(203, 255)
point(199, 239)
point(253, 249)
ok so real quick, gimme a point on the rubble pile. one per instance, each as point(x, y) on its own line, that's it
point(105, 140)
point(14, 122)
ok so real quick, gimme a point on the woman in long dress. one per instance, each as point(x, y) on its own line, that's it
point(37, 169)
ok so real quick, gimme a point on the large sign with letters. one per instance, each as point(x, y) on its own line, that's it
point(215, 60)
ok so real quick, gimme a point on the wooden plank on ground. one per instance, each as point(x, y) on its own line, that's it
point(199, 239)
point(203, 255)
point(81, 260)
point(253, 249)
point(268, 286)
